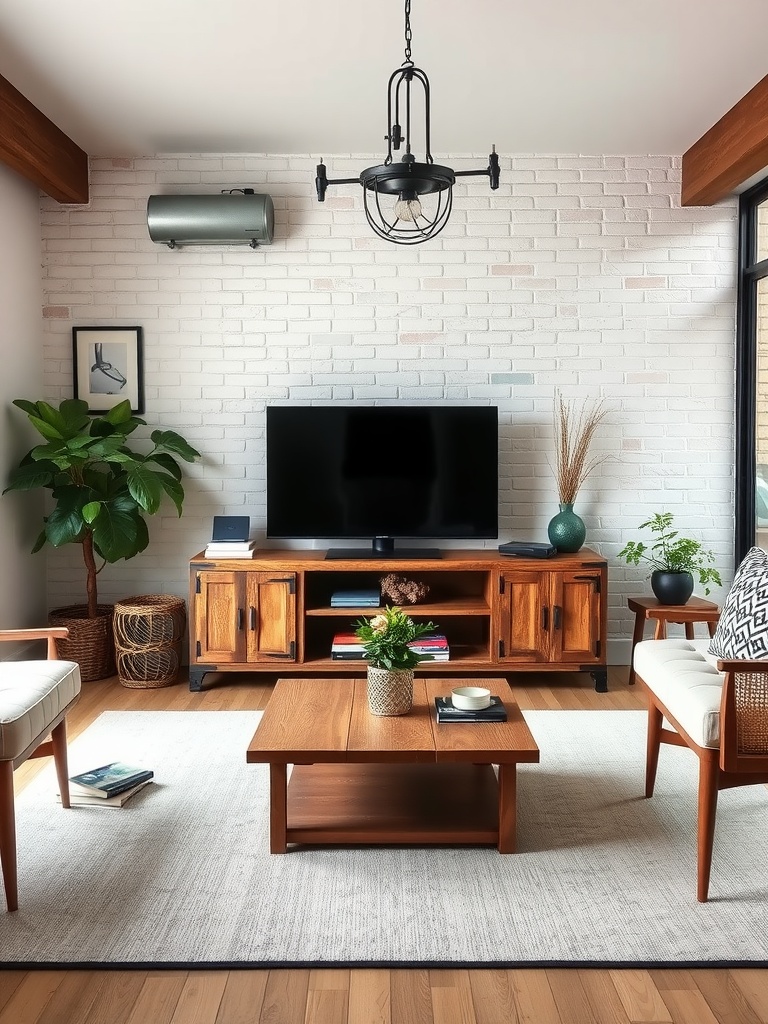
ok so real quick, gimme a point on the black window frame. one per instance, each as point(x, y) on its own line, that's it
point(750, 272)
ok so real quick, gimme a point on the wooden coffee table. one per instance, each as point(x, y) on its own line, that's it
point(361, 779)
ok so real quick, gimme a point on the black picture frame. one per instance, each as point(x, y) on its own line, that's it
point(108, 367)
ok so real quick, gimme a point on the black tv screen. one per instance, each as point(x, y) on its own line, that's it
point(382, 472)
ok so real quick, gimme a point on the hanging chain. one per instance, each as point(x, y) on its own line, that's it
point(408, 33)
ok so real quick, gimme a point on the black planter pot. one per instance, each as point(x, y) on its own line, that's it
point(671, 587)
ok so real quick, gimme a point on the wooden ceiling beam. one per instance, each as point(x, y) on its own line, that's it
point(34, 147)
point(731, 152)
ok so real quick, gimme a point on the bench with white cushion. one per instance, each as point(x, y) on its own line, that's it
point(35, 697)
point(717, 708)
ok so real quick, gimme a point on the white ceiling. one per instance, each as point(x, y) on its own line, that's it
point(130, 77)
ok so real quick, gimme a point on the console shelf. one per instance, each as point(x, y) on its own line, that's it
point(272, 613)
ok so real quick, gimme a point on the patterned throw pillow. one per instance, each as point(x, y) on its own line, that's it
point(742, 630)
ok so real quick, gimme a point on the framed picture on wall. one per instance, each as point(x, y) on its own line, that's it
point(108, 367)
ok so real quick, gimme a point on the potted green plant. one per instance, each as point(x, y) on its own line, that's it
point(391, 660)
point(101, 491)
point(673, 560)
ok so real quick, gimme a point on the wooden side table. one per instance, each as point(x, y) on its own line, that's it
point(645, 608)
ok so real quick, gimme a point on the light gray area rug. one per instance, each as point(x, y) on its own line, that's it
point(182, 873)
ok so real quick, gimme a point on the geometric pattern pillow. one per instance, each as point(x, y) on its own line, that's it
point(742, 629)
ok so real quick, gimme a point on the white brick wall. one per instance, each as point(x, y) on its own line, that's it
point(580, 273)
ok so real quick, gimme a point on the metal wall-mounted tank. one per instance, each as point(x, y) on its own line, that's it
point(224, 218)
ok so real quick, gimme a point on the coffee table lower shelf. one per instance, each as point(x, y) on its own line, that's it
point(385, 804)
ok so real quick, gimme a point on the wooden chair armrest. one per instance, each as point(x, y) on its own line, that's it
point(49, 633)
point(737, 665)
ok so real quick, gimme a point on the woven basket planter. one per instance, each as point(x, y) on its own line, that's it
point(148, 636)
point(90, 642)
point(390, 691)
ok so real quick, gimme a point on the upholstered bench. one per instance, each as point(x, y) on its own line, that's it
point(717, 708)
point(35, 697)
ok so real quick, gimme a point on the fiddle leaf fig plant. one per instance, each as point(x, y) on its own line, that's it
point(101, 488)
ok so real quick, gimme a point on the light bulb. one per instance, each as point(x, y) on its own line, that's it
point(407, 208)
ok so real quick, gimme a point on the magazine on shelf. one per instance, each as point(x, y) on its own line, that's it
point(356, 598)
point(109, 779)
point(118, 800)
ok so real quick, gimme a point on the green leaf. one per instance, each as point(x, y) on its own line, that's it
point(119, 413)
point(30, 408)
point(31, 474)
point(145, 487)
point(173, 489)
point(116, 532)
point(168, 463)
point(64, 526)
point(91, 511)
point(45, 428)
point(170, 441)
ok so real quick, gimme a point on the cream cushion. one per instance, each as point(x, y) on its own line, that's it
point(32, 695)
point(685, 679)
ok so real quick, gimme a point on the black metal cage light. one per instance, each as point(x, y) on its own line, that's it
point(405, 221)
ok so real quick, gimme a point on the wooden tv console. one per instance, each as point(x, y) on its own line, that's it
point(273, 613)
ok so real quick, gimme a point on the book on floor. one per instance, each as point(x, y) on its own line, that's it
point(446, 712)
point(118, 800)
point(109, 779)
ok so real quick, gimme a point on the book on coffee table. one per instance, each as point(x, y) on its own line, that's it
point(446, 712)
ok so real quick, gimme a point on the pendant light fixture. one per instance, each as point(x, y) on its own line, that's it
point(393, 192)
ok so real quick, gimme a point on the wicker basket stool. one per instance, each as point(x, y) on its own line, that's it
point(148, 637)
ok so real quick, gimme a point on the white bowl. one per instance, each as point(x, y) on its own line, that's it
point(471, 698)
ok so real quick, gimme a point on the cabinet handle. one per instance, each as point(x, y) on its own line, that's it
point(252, 619)
point(545, 618)
point(558, 615)
point(240, 618)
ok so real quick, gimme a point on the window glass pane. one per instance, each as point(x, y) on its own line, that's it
point(761, 412)
point(762, 232)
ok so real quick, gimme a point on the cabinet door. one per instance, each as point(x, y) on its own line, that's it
point(525, 617)
point(576, 617)
point(271, 616)
point(219, 618)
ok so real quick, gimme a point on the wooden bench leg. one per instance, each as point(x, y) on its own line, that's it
point(8, 835)
point(709, 771)
point(59, 744)
point(653, 743)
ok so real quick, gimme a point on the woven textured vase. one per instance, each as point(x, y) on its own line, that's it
point(567, 530)
point(390, 691)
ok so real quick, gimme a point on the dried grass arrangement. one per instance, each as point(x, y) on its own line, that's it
point(575, 426)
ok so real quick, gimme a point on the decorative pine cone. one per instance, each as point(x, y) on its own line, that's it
point(401, 590)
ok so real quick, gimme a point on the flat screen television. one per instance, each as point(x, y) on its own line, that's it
point(384, 473)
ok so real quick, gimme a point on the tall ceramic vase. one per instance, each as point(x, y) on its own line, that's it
point(390, 691)
point(567, 530)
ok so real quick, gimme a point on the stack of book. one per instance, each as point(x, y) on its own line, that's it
point(434, 644)
point(446, 712)
point(368, 598)
point(231, 549)
point(347, 647)
point(110, 785)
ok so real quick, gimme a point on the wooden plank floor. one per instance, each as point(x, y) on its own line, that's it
point(373, 996)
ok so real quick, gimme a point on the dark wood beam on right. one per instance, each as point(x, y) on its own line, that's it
point(730, 153)
point(39, 151)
